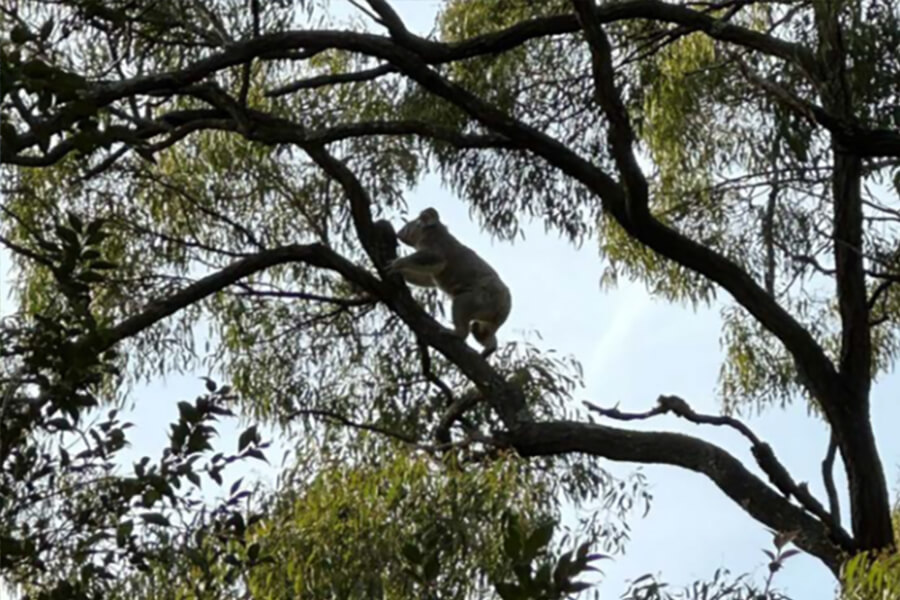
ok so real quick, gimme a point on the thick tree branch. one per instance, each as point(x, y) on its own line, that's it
point(397, 298)
point(509, 400)
point(621, 135)
point(218, 119)
point(651, 10)
point(852, 136)
point(762, 452)
point(619, 201)
point(810, 358)
point(276, 45)
point(870, 509)
point(280, 45)
point(739, 484)
point(392, 21)
point(818, 371)
point(856, 343)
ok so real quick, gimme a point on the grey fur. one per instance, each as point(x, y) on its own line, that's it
point(481, 301)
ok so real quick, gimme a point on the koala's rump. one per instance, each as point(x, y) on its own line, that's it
point(465, 271)
point(485, 292)
point(495, 303)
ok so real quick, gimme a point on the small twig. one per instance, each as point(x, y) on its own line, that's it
point(456, 407)
point(442, 431)
point(217, 25)
point(811, 260)
point(196, 202)
point(455, 413)
point(250, 291)
point(615, 413)
point(331, 79)
point(341, 419)
point(768, 233)
point(880, 289)
point(104, 165)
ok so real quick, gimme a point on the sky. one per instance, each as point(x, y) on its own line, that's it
point(633, 348)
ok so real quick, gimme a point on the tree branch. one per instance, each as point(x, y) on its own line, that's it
point(313, 254)
point(762, 452)
point(870, 509)
point(283, 45)
point(851, 135)
point(739, 484)
point(818, 371)
point(621, 135)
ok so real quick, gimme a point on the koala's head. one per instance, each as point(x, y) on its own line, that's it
point(415, 231)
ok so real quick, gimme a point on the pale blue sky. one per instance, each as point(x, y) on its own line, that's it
point(633, 348)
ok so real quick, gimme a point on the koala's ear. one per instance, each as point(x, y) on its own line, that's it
point(429, 216)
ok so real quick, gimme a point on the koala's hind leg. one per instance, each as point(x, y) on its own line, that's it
point(472, 312)
point(465, 309)
point(485, 334)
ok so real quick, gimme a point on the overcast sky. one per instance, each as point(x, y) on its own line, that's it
point(633, 348)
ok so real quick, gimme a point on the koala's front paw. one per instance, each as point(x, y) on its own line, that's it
point(394, 268)
point(391, 267)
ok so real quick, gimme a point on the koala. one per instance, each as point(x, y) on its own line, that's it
point(481, 301)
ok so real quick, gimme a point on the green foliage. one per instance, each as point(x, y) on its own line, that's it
point(72, 518)
point(397, 526)
point(867, 578)
point(539, 575)
point(722, 586)
point(674, 120)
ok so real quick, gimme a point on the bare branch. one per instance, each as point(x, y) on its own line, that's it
point(883, 286)
point(762, 452)
point(745, 489)
point(615, 413)
point(313, 254)
point(26, 252)
point(621, 134)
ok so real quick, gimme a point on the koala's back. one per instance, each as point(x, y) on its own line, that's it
point(464, 269)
